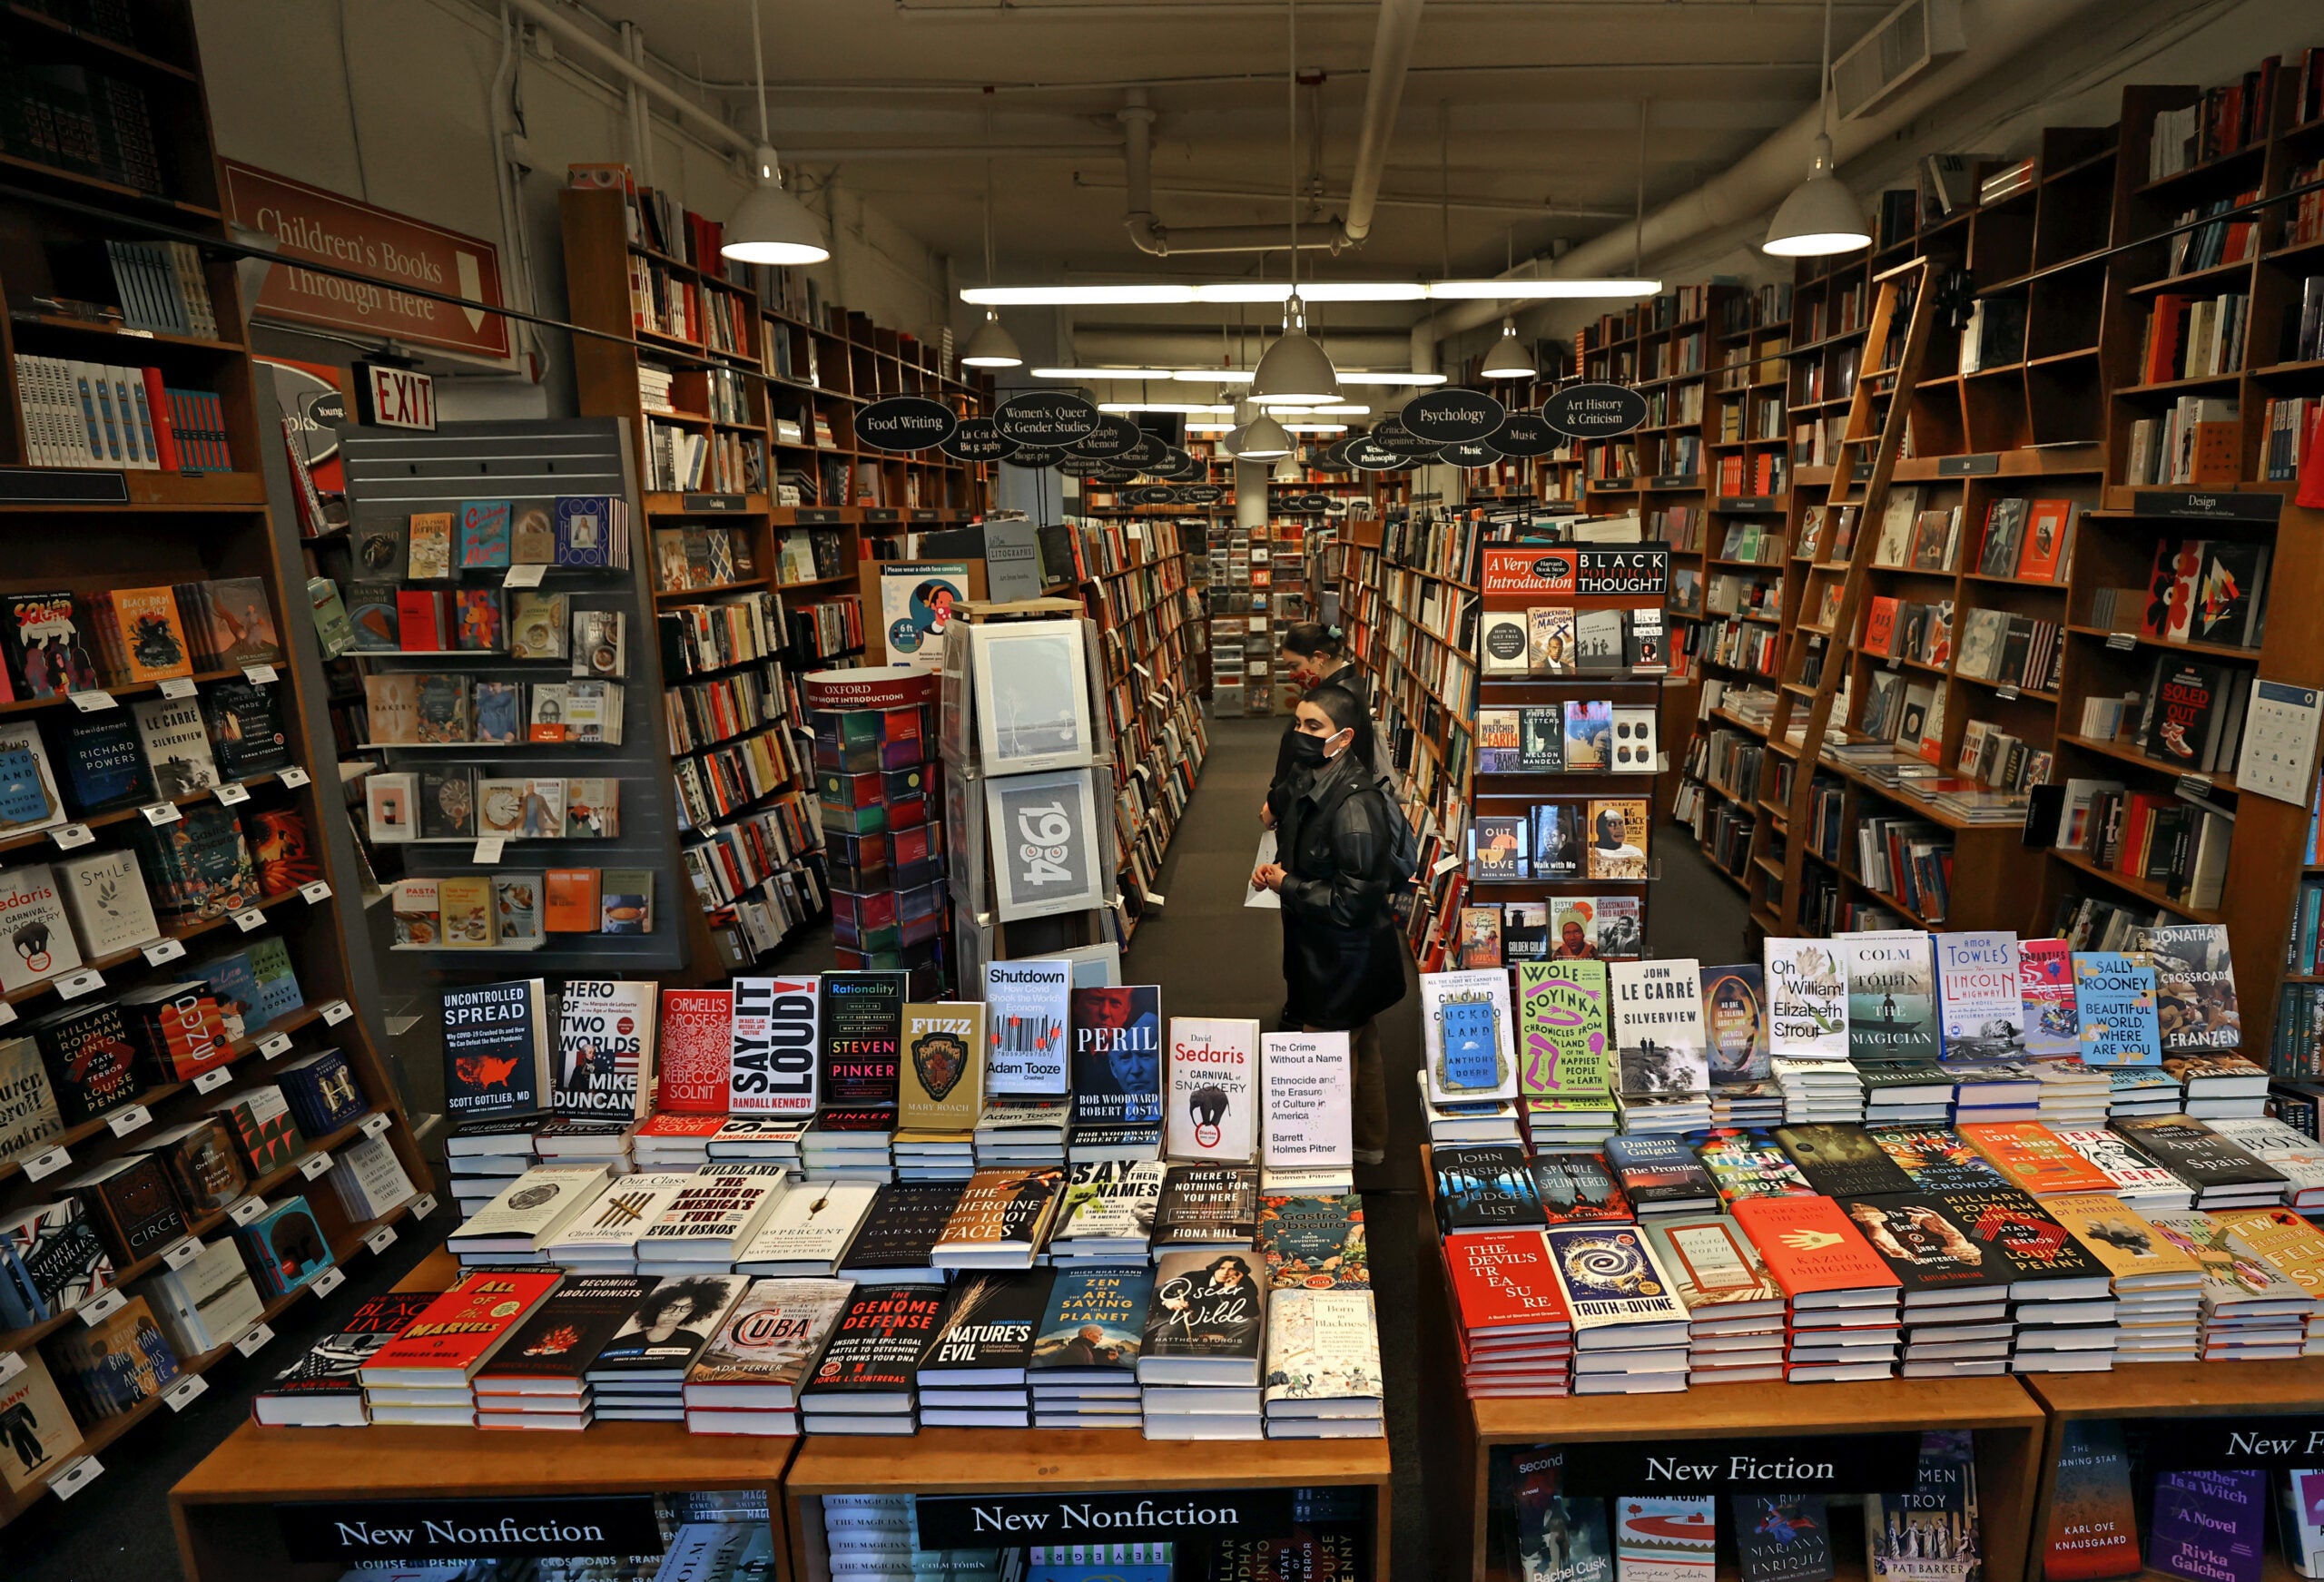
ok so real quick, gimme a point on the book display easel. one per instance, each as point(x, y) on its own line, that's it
point(178, 948)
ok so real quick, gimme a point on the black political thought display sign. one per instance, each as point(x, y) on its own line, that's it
point(904, 423)
point(1449, 416)
point(1055, 418)
point(1594, 411)
point(519, 1526)
point(977, 439)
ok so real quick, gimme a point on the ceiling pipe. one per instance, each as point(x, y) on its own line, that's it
point(1391, 52)
point(1541, 211)
point(1151, 237)
point(1999, 35)
point(622, 66)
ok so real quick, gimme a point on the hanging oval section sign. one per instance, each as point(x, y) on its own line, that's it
point(1447, 415)
point(1035, 455)
point(1332, 457)
point(1052, 418)
point(1076, 465)
point(1113, 435)
point(1594, 411)
point(904, 423)
point(1148, 454)
point(1526, 434)
point(1469, 453)
point(1154, 495)
point(1369, 455)
point(1203, 493)
point(1180, 464)
point(975, 439)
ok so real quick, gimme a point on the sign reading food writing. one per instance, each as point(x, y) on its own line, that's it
point(308, 223)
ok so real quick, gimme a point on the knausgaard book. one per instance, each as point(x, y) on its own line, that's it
point(1117, 1056)
point(1615, 1289)
point(987, 1333)
point(1658, 1027)
point(768, 1345)
point(2034, 1158)
point(1841, 1161)
point(2194, 979)
point(1211, 1087)
point(777, 1054)
point(1208, 1206)
point(666, 1332)
point(1484, 1186)
point(862, 1023)
point(1892, 996)
point(1813, 1250)
point(496, 1050)
point(2046, 987)
point(1935, 1158)
point(324, 1389)
point(1323, 1355)
point(693, 1050)
point(809, 1229)
point(940, 1077)
point(1469, 1036)
point(458, 1333)
point(2114, 997)
point(1000, 1220)
point(2092, 1533)
point(1029, 1013)
point(547, 1354)
point(1308, 1138)
point(1983, 1015)
point(1564, 1009)
point(1206, 1322)
point(1714, 1268)
point(604, 1049)
point(1314, 1243)
point(1807, 1000)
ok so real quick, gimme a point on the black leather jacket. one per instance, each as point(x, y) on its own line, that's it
point(1342, 957)
point(1349, 679)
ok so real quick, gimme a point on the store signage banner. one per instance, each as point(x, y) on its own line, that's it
point(977, 439)
point(308, 223)
point(1526, 434)
point(1594, 411)
point(517, 1526)
point(971, 1521)
point(904, 423)
point(1046, 418)
point(394, 398)
point(1572, 571)
point(1114, 435)
point(1806, 1464)
point(2236, 1443)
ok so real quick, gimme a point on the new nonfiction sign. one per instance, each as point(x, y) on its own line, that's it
point(966, 1521)
point(905, 423)
point(517, 1526)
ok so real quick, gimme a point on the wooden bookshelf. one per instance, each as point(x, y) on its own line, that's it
point(162, 528)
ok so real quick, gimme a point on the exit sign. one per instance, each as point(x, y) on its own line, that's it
point(394, 398)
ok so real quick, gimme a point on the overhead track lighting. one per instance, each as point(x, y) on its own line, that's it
point(772, 227)
point(1165, 294)
point(1821, 216)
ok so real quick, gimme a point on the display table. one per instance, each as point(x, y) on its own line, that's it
point(1459, 1435)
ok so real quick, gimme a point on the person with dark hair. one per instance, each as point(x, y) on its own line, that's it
point(1315, 656)
point(1343, 962)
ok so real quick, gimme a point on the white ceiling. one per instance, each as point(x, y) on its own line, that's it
point(1525, 110)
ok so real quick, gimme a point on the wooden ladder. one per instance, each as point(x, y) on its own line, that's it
point(1908, 289)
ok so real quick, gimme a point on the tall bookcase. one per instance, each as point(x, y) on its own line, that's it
point(87, 530)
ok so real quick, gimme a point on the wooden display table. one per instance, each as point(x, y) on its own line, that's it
point(1458, 1435)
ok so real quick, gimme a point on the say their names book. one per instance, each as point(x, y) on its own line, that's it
point(1807, 1000)
point(1212, 1090)
point(1029, 1011)
point(861, 1022)
point(1469, 1036)
point(604, 1050)
point(776, 1054)
point(1892, 997)
point(940, 1077)
point(1982, 1015)
point(1308, 1140)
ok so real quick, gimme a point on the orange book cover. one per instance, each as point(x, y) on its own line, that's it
point(1810, 1245)
point(152, 637)
point(2045, 540)
point(571, 901)
point(2034, 1158)
point(1879, 626)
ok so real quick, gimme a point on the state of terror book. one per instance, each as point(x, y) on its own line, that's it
point(862, 1025)
point(2032, 1244)
point(1117, 1056)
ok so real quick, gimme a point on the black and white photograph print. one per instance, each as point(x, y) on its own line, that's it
point(1032, 696)
point(1045, 844)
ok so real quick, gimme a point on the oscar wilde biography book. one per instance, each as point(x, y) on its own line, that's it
point(604, 1049)
point(862, 1028)
point(1207, 1321)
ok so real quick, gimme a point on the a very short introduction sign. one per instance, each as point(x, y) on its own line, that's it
point(968, 1521)
point(1805, 1464)
point(519, 1526)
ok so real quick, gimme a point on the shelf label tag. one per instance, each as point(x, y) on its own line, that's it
point(373, 1125)
point(253, 918)
point(2008, 693)
point(130, 1119)
point(259, 1336)
point(95, 702)
point(11, 1364)
point(329, 1281)
point(294, 777)
point(161, 950)
point(247, 1210)
point(99, 1308)
point(48, 1163)
point(313, 1166)
point(275, 1048)
point(182, 1251)
point(1445, 866)
point(178, 686)
point(488, 847)
point(74, 985)
point(317, 893)
point(381, 1240)
point(69, 836)
point(524, 576)
point(337, 1011)
point(162, 813)
point(423, 1205)
point(2196, 786)
point(187, 1389)
point(259, 675)
point(233, 793)
point(2121, 642)
point(213, 1080)
point(74, 1476)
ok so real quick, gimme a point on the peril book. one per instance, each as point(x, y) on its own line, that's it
point(1562, 1008)
point(1212, 1090)
point(1469, 1036)
point(1657, 1026)
point(1892, 997)
point(1117, 1056)
point(776, 1054)
point(1028, 1012)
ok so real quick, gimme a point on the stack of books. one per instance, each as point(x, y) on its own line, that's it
point(2292, 1245)
point(865, 1382)
point(582, 1140)
point(1842, 1302)
point(1000, 1219)
point(746, 1379)
point(846, 1156)
point(706, 1227)
point(1576, 1188)
point(2143, 1090)
point(922, 1155)
point(1322, 1366)
point(602, 1239)
point(2073, 1095)
point(2251, 1311)
point(1582, 1121)
point(538, 1379)
point(424, 1374)
point(1735, 1309)
point(1630, 1331)
point(532, 1211)
point(1819, 1090)
point(1021, 1131)
point(2224, 1175)
point(483, 1156)
point(2062, 1299)
point(640, 1374)
point(2131, 1175)
point(1906, 1095)
point(1484, 1187)
point(762, 1140)
point(669, 1142)
point(874, 1532)
point(1516, 1337)
point(1198, 1366)
point(1660, 1177)
point(810, 1230)
point(1489, 1120)
point(2005, 1091)
point(1747, 1103)
point(973, 1376)
point(1107, 1215)
point(2158, 1288)
point(1953, 1319)
point(898, 1235)
point(2291, 1153)
point(1207, 1207)
point(1083, 1373)
point(2220, 1087)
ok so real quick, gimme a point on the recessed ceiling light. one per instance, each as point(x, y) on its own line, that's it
point(1315, 428)
point(1198, 406)
point(1104, 373)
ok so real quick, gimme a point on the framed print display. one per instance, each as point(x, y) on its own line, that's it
point(1032, 696)
point(954, 743)
point(1046, 853)
point(963, 842)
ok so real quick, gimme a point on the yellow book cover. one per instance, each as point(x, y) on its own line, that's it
point(1003, 1208)
point(153, 638)
point(942, 1087)
point(2114, 1233)
point(466, 909)
point(2284, 1239)
point(431, 546)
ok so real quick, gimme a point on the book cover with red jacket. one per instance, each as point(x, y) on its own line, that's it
point(1810, 1246)
point(461, 1329)
point(1503, 1282)
point(2034, 1158)
point(696, 1051)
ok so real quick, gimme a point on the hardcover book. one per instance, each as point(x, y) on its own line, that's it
point(39, 935)
point(1935, 1158)
point(776, 1059)
point(1579, 1189)
point(1808, 1000)
point(1308, 1079)
point(1469, 1036)
point(1841, 1161)
point(1029, 1021)
point(1660, 1175)
point(285, 1247)
point(1610, 1279)
point(199, 1157)
point(1982, 1017)
point(1560, 1536)
point(1713, 1266)
point(988, 1329)
point(128, 1202)
point(1812, 1247)
point(104, 768)
point(768, 1345)
point(1208, 1205)
point(667, 1330)
point(1782, 1538)
point(1000, 1218)
point(324, 1388)
point(1208, 1320)
point(1750, 1164)
point(2092, 1533)
point(1094, 1325)
point(91, 1061)
point(899, 1232)
point(2033, 1245)
point(2045, 987)
point(2114, 997)
point(2194, 979)
point(692, 1049)
point(29, 1117)
point(2194, 1153)
point(1665, 1538)
point(604, 1049)
point(1929, 1532)
point(941, 1074)
point(1484, 1187)
point(872, 1358)
point(1892, 997)
point(1735, 1023)
point(2209, 1527)
point(105, 891)
point(1314, 1242)
point(1117, 1056)
point(1657, 1026)
point(861, 1018)
point(115, 1364)
point(549, 1352)
point(1923, 1242)
point(1322, 1346)
point(1562, 1007)
point(1503, 1285)
point(496, 1050)
point(2034, 1158)
point(1213, 1090)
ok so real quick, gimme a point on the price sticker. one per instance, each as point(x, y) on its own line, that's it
point(247, 1209)
point(259, 1336)
point(381, 1240)
point(2121, 642)
point(184, 1393)
point(161, 950)
point(103, 1307)
point(74, 985)
point(162, 813)
point(211, 1081)
point(130, 1119)
point(312, 1167)
point(178, 686)
point(488, 847)
point(249, 920)
point(47, 1163)
point(295, 777)
point(182, 1251)
point(233, 793)
point(316, 892)
point(95, 702)
point(373, 1125)
point(275, 1048)
point(74, 1476)
point(11, 1364)
point(423, 1205)
point(259, 675)
point(69, 837)
point(329, 1281)
point(524, 576)
point(337, 1011)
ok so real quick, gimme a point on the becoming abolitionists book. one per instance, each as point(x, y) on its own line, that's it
point(862, 1023)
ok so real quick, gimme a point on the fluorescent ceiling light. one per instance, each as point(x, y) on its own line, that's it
point(1075, 296)
point(1391, 378)
point(1538, 289)
point(1155, 293)
point(1105, 373)
point(1203, 408)
point(1209, 425)
point(1313, 291)
point(1336, 409)
point(1315, 428)
point(1213, 376)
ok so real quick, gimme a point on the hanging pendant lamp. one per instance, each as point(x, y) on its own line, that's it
point(1509, 358)
point(1294, 369)
point(991, 346)
point(771, 226)
point(1821, 216)
point(1263, 439)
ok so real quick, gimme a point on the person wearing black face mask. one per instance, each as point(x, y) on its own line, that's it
point(1343, 963)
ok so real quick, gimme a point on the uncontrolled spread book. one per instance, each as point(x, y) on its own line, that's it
point(777, 1046)
point(496, 1050)
point(1807, 1000)
point(1211, 1096)
point(1469, 1036)
point(1028, 1015)
point(1982, 1016)
point(1657, 1028)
